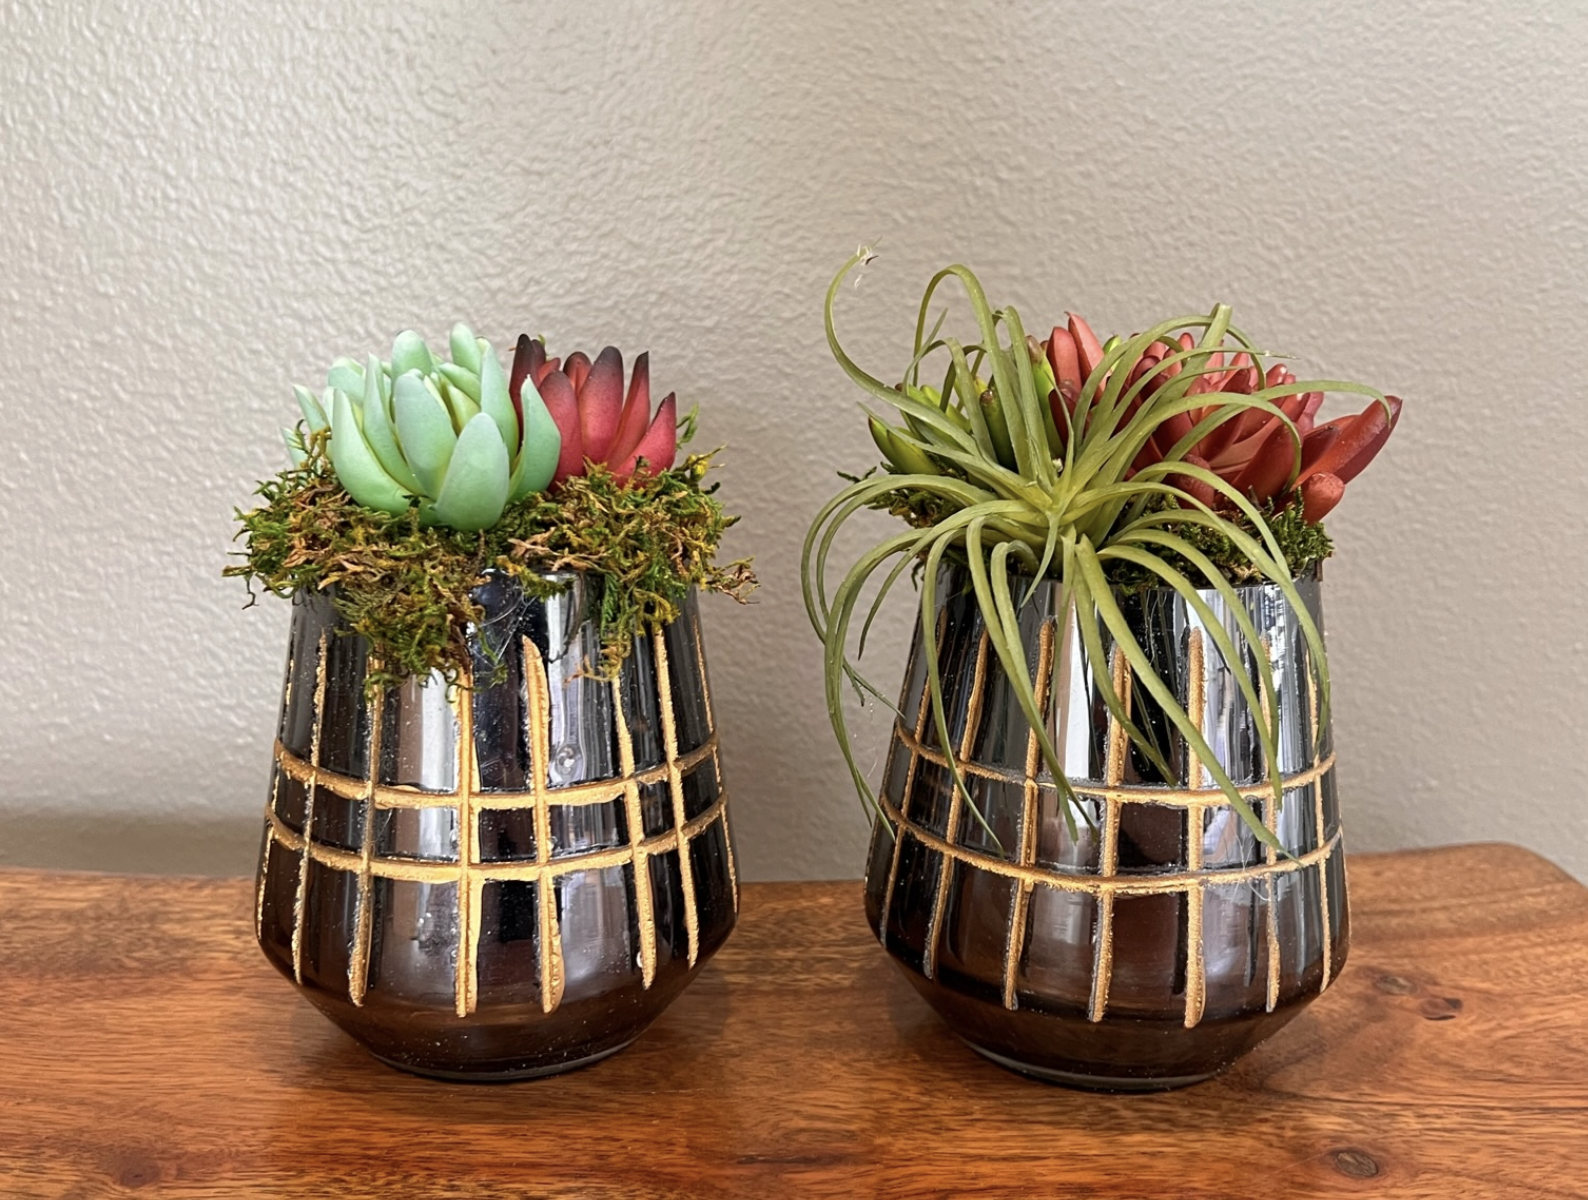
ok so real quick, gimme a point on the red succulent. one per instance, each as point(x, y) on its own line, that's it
point(1255, 452)
point(599, 426)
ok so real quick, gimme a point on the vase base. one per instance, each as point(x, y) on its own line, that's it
point(1090, 1081)
point(508, 1075)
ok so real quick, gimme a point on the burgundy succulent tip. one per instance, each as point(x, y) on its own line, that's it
point(600, 423)
point(1254, 451)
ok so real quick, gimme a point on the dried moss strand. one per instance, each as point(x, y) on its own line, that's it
point(408, 588)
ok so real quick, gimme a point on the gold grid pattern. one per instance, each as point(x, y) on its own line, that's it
point(471, 872)
point(1113, 794)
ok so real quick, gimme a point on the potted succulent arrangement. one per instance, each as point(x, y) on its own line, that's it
point(496, 842)
point(1106, 844)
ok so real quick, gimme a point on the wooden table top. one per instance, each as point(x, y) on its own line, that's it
point(146, 1048)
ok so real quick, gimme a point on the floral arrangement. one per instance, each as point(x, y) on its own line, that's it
point(1177, 457)
point(412, 477)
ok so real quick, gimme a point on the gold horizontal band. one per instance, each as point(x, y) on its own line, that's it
point(418, 871)
point(387, 796)
point(1124, 794)
point(1109, 885)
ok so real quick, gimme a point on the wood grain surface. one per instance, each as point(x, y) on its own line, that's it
point(147, 1049)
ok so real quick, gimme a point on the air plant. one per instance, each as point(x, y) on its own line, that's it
point(450, 435)
point(1253, 452)
point(1019, 489)
point(599, 425)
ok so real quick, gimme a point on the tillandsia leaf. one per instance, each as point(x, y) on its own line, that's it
point(825, 529)
point(837, 628)
point(1145, 674)
point(1260, 698)
point(1076, 457)
point(1277, 573)
point(1017, 669)
point(901, 456)
point(930, 651)
point(1011, 372)
point(1088, 628)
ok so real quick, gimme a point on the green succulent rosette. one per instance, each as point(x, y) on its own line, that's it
point(449, 436)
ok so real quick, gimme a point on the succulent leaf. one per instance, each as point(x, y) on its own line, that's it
point(461, 377)
point(458, 404)
point(347, 376)
point(409, 353)
point(1180, 427)
point(601, 404)
point(556, 390)
point(356, 465)
point(396, 428)
point(465, 349)
point(376, 423)
point(314, 415)
point(495, 401)
point(658, 448)
point(424, 430)
point(542, 446)
point(475, 489)
point(636, 410)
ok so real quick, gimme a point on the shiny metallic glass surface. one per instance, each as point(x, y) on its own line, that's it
point(1159, 939)
point(506, 880)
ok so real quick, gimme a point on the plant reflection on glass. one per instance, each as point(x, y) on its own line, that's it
point(1173, 457)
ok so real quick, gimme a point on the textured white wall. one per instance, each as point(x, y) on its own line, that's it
point(201, 202)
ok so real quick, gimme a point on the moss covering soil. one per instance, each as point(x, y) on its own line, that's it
point(406, 587)
point(1304, 545)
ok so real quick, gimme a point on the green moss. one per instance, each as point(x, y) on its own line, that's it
point(406, 587)
point(1304, 545)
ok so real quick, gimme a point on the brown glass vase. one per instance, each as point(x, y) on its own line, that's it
point(506, 879)
point(1152, 939)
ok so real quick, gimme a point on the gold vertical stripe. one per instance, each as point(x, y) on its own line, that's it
point(1196, 701)
point(727, 837)
point(1108, 866)
point(466, 991)
point(308, 811)
point(264, 856)
point(675, 778)
point(956, 804)
point(358, 963)
point(1020, 899)
point(1322, 835)
point(538, 692)
point(1195, 962)
point(1271, 857)
point(644, 903)
point(1270, 819)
